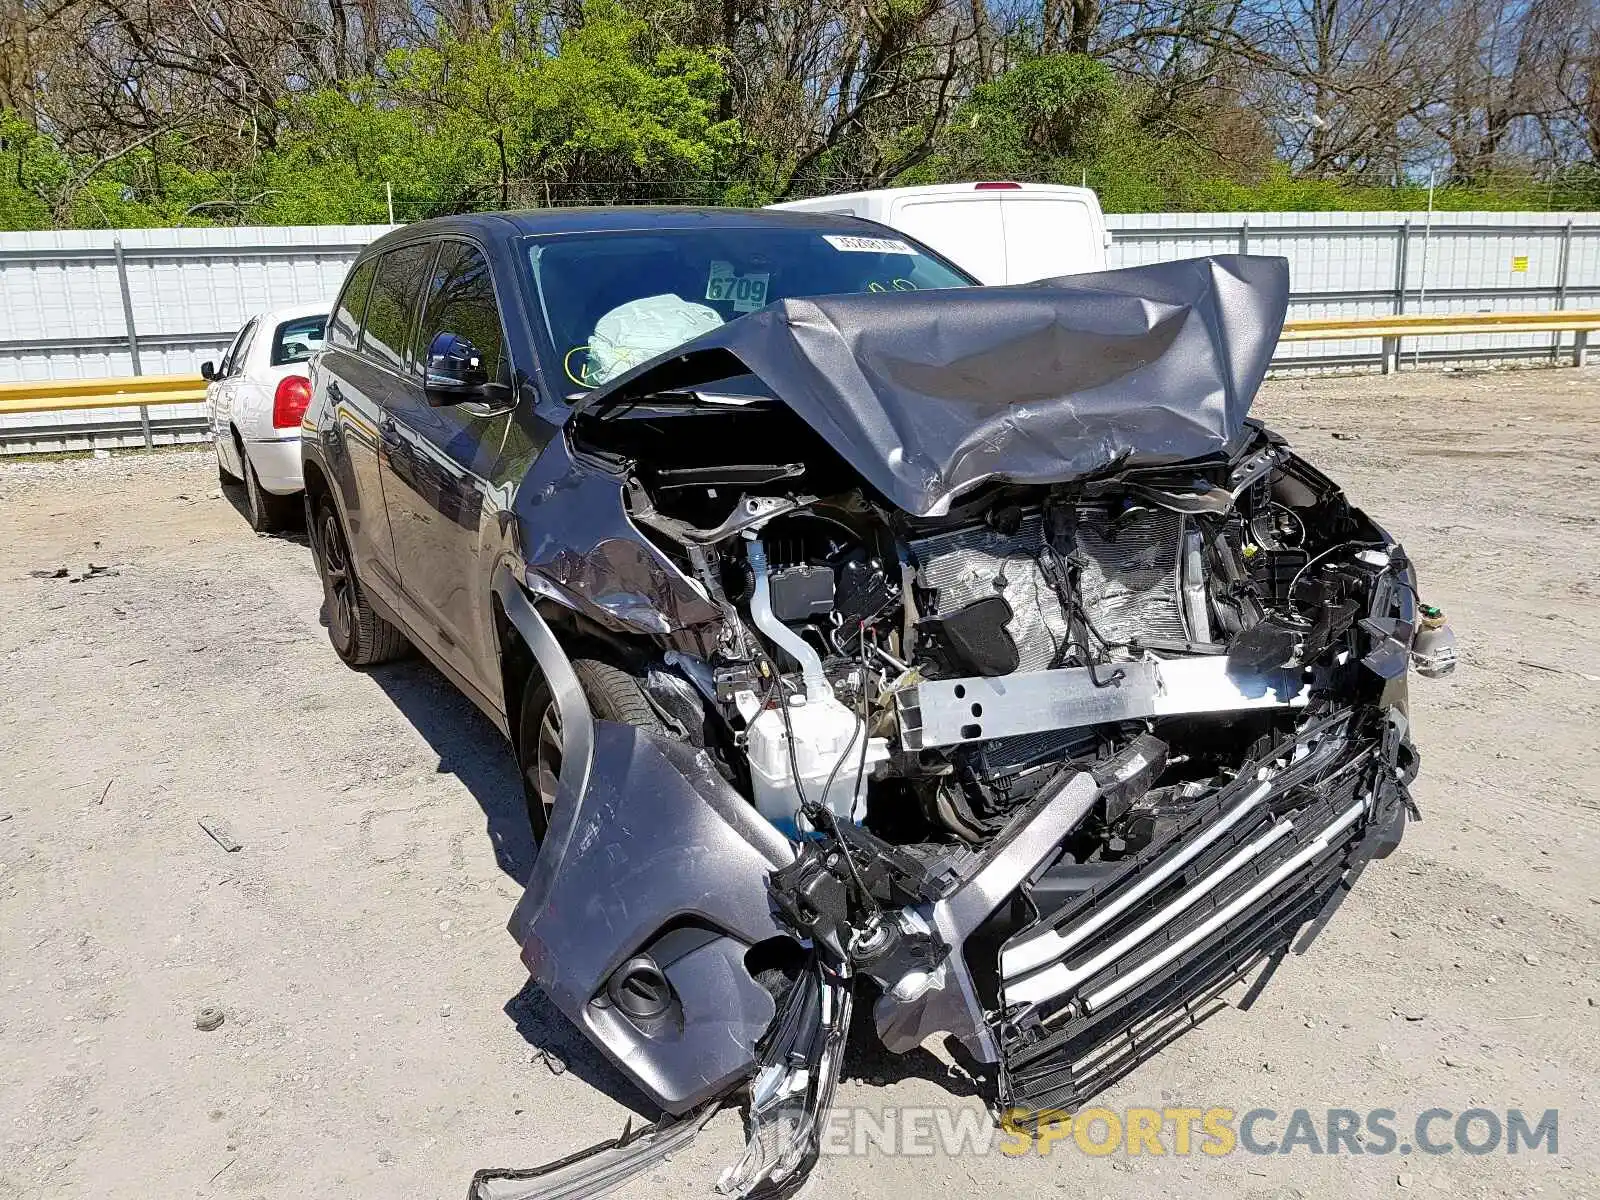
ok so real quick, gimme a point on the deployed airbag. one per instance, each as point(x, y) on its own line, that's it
point(928, 393)
point(641, 329)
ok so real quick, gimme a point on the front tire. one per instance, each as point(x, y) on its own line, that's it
point(359, 635)
point(613, 695)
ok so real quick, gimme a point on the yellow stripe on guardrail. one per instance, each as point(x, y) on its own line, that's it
point(1438, 324)
point(1391, 328)
point(63, 395)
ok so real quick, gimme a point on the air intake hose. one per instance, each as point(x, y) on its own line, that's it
point(817, 687)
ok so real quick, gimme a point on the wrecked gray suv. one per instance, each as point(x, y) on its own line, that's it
point(865, 638)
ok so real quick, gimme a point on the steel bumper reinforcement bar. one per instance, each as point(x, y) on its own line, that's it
point(947, 712)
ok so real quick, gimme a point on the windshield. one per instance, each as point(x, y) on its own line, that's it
point(614, 300)
point(297, 340)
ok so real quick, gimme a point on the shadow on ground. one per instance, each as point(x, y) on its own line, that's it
point(474, 751)
point(564, 1048)
point(470, 748)
point(233, 492)
point(868, 1061)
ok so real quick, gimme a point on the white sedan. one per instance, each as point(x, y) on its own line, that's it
point(254, 399)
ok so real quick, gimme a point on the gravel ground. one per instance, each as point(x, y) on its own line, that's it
point(379, 1038)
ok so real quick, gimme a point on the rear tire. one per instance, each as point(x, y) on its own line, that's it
point(359, 635)
point(269, 512)
point(613, 695)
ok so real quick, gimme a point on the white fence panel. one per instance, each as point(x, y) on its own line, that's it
point(66, 295)
point(1374, 264)
point(63, 314)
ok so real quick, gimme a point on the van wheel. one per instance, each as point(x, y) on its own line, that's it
point(359, 635)
point(613, 695)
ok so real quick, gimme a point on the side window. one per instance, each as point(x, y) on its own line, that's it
point(402, 275)
point(345, 329)
point(461, 301)
point(241, 350)
point(231, 353)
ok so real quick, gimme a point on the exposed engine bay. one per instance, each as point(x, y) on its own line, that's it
point(1051, 764)
point(925, 678)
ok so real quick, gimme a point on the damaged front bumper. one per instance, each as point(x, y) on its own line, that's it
point(660, 891)
point(790, 1096)
point(1144, 953)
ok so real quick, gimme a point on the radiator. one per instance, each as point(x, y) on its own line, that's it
point(1129, 577)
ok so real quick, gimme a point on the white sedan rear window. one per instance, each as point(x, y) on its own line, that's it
point(297, 340)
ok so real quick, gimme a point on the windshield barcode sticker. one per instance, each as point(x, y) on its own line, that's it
point(866, 245)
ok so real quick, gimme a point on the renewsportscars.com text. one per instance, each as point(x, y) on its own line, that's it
point(1182, 1131)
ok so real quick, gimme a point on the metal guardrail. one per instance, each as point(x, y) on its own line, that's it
point(63, 395)
point(147, 391)
point(70, 395)
point(1390, 329)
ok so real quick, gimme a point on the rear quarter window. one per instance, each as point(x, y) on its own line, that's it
point(352, 307)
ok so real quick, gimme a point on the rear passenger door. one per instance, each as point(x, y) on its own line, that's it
point(439, 460)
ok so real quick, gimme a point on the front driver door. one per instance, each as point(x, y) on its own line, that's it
point(220, 395)
point(438, 464)
point(354, 386)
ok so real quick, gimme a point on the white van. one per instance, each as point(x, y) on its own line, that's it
point(1000, 232)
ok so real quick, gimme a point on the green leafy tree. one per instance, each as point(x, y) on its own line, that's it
point(1035, 121)
point(501, 119)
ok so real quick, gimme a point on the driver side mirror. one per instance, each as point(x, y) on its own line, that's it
point(454, 371)
point(208, 371)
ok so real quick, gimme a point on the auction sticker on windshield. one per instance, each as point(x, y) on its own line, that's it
point(747, 292)
point(866, 245)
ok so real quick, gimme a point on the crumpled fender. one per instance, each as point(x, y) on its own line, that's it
point(579, 542)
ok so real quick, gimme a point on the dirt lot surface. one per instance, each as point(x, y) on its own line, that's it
point(379, 1038)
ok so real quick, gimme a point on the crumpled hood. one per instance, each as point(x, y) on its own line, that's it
point(927, 394)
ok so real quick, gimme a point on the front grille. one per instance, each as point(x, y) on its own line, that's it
point(1129, 577)
point(1057, 1056)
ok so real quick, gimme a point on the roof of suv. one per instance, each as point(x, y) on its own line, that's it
point(624, 217)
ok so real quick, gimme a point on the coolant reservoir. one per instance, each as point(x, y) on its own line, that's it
point(825, 732)
point(1433, 648)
